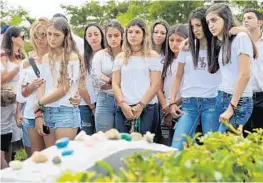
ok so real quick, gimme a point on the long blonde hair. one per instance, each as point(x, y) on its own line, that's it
point(41, 22)
point(146, 51)
point(68, 47)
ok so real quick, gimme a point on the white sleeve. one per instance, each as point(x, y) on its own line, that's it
point(244, 44)
point(2, 68)
point(117, 64)
point(182, 57)
point(97, 82)
point(155, 64)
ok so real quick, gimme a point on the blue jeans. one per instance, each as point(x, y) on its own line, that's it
point(87, 119)
point(146, 123)
point(194, 111)
point(105, 112)
point(242, 113)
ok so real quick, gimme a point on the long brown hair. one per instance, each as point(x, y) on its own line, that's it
point(223, 11)
point(113, 24)
point(146, 51)
point(68, 47)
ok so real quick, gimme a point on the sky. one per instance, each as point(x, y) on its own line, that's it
point(46, 8)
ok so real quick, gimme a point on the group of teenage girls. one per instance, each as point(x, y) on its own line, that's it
point(166, 82)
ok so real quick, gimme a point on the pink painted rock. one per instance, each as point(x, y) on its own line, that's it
point(100, 136)
point(80, 136)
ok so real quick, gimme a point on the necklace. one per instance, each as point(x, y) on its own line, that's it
point(137, 50)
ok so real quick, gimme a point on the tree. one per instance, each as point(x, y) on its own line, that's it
point(14, 16)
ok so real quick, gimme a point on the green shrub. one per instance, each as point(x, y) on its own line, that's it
point(222, 158)
point(28, 47)
point(20, 155)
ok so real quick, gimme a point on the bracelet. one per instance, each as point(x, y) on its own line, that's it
point(39, 110)
point(40, 106)
point(173, 103)
point(38, 117)
point(142, 104)
point(121, 102)
point(232, 106)
point(165, 107)
point(26, 90)
point(38, 114)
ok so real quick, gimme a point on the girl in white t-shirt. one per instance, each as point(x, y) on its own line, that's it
point(234, 101)
point(197, 79)
point(93, 42)
point(11, 114)
point(158, 36)
point(159, 32)
point(135, 80)
point(176, 35)
point(64, 72)
point(102, 65)
point(30, 82)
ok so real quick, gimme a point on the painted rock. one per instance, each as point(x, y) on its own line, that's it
point(113, 134)
point(56, 160)
point(67, 152)
point(39, 157)
point(80, 136)
point(126, 136)
point(136, 136)
point(16, 165)
point(100, 136)
point(148, 137)
point(63, 142)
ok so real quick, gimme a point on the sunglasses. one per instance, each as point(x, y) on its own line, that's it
point(40, 35)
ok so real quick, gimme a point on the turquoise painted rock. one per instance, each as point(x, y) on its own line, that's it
point(126, 136)
point(67, 152)
point(63, 142)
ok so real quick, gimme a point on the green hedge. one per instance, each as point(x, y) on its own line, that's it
point(222, 158)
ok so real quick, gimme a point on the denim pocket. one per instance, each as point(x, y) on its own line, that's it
point(186, 100)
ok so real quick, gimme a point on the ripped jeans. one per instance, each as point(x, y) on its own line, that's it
point(242, 113)
point(87, 119)
point(194, 111)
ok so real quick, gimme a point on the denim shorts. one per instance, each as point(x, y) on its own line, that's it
point(28, 123)
point(26, 139)
point(62, 117)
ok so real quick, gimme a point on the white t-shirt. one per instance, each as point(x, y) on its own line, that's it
point(198, 82)
point(28, 78)
point(79, 43)
point(135, 77)
point(240, 45)
point(52, 83)
point(257, 68)
point(169, 80)
point(90, 89)
point(102, 64)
